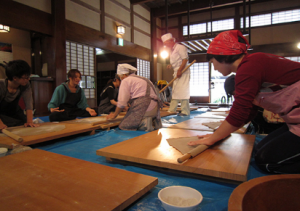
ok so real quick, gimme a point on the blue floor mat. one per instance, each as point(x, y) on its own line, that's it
point(215, 194)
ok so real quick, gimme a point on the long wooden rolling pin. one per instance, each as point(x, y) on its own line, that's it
point(107, 121)
point(12, 135)
point(194, 152)
point(187, 67)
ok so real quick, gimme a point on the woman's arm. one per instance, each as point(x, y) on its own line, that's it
point(222, 132)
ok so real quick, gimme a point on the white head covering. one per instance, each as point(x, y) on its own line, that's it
point(166, 37)
point(124, 69)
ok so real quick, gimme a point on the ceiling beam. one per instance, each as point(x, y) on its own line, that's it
point(139, 1)
point(177, 9)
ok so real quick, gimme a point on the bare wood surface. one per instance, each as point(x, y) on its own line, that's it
point(179, 108)
point(274, 192)
point(228, 159)
point(12, 135)
point(41, 180)
point(198, 124)
point(213, 115)
point(187, 67)
point(70, 129)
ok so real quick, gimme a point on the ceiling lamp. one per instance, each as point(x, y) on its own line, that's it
point(4, 28)
point(121, 29)
point(164, 54)
point(298, 46)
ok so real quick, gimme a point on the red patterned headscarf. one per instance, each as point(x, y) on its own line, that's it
point(226, 43)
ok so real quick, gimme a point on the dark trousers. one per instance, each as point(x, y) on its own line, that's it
point(68, 114)
point(279, 152)
point(17, 119)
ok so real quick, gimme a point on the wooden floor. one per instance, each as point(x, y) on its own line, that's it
point(41, 180)
point(228, 159)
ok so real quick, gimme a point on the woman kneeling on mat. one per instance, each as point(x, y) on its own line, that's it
point(140, 93)
point(68, 100)
point(264, 80)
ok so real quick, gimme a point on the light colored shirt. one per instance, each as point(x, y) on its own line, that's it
point(133, 87)
point(26, 94)
point(181, 86)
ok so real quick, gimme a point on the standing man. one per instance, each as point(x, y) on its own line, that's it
point(181, 86)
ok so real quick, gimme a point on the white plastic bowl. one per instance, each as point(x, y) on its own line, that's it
point(179, 198)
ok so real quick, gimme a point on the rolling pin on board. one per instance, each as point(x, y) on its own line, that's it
point(192, 153)
point(12, 135)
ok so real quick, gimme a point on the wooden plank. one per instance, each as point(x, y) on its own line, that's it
point(179, 109)
point(213, 115)
point(197, 124)
point(227, 160)
point(164, 113)
point(41, 180)
point(71, 129)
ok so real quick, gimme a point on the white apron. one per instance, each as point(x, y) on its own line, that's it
point(181, 86)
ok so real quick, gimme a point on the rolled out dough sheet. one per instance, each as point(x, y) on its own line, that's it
point(95, 119)
point(29, 131)
point(181, 144)
point(212, 125)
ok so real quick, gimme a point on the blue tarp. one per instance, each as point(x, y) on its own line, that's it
point(215, 194)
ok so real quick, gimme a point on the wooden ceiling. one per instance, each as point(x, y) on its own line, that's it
point(176, 7)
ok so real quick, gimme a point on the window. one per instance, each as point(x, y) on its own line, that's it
point(199, 80)
point(81, 57)
point(257, 20)
point(286, 16)
point(202, 28)
point(143, 67)
point(273, 18)
point(294, 58)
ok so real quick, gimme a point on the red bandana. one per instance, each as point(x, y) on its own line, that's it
point(226, 43)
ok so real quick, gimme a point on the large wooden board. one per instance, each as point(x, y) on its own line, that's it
point(41, 180)
point(197, 124)
point(179, 109)
point(213, 115)
point(227, 160)
point(70, 129)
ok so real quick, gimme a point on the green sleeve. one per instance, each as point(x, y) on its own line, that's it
point(58, 97)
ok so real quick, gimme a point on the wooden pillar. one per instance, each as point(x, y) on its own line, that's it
point(153, 66)
point(59, 40)
point(102, 16)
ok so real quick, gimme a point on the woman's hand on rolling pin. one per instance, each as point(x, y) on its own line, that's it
point(2, 126)
point(92, 112)
point(31, 124)
point(56, 110)
point(204, 139)
point(111, 116)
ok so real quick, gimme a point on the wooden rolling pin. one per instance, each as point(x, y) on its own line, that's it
point(12, 135)
point(194, 152)
point(187, 67)
point(107, 121)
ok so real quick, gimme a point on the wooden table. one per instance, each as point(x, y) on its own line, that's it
point(226, 160)
point(41, 180)
point(71, 129)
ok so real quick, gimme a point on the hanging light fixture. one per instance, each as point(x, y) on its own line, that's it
point(121, 29)
point(4, 28)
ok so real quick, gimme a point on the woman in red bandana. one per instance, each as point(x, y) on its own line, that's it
point(264, 80)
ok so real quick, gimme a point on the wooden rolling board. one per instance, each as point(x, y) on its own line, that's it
point(70, 129)
point(197, 124)
point(41, 180)
point(226, 160)
point(213, 115)
point(218, 109)
point(179, 109)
